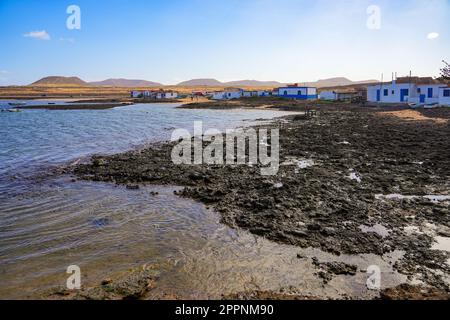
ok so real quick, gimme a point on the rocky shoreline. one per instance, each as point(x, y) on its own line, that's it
point(351, 181)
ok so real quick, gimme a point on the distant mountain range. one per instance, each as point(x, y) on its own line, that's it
point(331, 82)
point(336, 82)
point(75, 81)
point(201, 83)
point(56, 80)
point(217, 83)
point(126, 83)
point(253, 83)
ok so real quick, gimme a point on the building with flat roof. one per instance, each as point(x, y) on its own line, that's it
point(297, 92)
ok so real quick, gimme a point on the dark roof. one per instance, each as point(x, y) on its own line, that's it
point(417, 80)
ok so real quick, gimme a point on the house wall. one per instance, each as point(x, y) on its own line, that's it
point(227, 95)
point(312, 92)
point(444, 101)
point(218, 95)
point(414, 96)
point(248, 94)
point(171, 95)
point(434, 98)
point(302, 93)
point(233, 95)
point(327, 95)
point(346, 95)
point(393, 93)
point(135, 94)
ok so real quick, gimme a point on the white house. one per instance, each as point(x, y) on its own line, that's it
point(249, 94)
point(328, 95)
point(152, 94)
point(444, 96)
point(171, 95)
point(166, 95)
point(339, 95)
point(228, 94)
point(405, 90)
point(263, 93)
point(136, 94)
point(255, 93)
point(299, 93)
point(428, 94)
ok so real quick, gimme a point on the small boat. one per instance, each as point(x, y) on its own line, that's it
point(13, 110)
point(17, 104)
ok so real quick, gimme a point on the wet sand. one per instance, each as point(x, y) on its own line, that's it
point(333, 166)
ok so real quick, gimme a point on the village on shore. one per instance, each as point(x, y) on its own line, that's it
point(414, 91)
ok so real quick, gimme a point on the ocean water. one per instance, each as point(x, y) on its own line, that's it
point(39, 138)
point(49, 222)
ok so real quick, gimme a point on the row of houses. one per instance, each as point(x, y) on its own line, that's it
point(289, 92)
point(154, 94)
point(293, 91)
point(236, 93)
point(410, 90)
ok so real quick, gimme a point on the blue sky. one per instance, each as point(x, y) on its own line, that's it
point(176, 40)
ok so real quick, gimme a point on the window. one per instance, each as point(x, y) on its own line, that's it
point(285, 92)
point(447, 93)
point(418, 90)
point(393, 92)
point(430, 92)
point(386, 92)
point(299, 93)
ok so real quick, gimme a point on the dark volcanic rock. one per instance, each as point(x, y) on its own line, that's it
point(329, 269)
point(409, 292)
point(322, 205)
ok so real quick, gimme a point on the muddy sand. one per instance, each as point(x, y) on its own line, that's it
point(351, 181)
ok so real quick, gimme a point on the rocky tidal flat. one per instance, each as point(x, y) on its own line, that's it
point(334, 190)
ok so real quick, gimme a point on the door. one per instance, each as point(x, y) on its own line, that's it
point(403, 94)
point(422, 98)
point(378, 95)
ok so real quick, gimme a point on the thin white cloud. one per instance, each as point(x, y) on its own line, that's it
point(40, 35)
point(4, 72)
point(433, 35)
